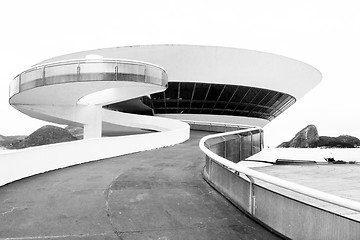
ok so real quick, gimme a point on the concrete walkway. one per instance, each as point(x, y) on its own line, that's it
point(342, 180)
point(157, 194)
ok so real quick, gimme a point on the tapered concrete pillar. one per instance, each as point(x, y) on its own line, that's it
point(93, 126)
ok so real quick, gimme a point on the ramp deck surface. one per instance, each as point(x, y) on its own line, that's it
point(157, 194)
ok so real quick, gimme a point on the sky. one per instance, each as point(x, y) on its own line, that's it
point(324, 34)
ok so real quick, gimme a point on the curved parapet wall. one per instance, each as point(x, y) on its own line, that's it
point(35, 160)
point(281, 212)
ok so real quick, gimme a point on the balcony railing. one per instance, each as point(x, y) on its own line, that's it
point(78, 70)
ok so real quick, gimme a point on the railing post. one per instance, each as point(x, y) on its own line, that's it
point(145, 75)
point(43, 75)
point(251, 143)
point(162, 78)
point(116, 71)
point(239, 149)
point(224, 139)
point(210, 168)
point(20, 82)
point(78, 71)
point(251, 195)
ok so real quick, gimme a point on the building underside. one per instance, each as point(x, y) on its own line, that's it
point(213, 99)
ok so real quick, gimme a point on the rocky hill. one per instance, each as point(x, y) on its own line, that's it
point(343, 141)
point(77, 132)
point(6, 140)
point(45, 135)
point(303, 139)
point(11, 138)
point(309, 138)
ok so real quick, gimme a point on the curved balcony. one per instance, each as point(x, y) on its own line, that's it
point(84, 70)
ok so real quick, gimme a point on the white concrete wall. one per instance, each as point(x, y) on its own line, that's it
point(290, 212)
point(238, 120)
point(18, 164)
point(142, 121)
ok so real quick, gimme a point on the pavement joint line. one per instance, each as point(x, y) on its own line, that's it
point(72, 190)
point(107, 193)
point(198, 225)
point(12, 209)
point(56, 236)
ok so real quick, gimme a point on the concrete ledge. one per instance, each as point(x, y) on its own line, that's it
point(18, 164)
point(287, 216)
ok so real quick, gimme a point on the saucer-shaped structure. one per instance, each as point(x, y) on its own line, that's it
point(99, 87)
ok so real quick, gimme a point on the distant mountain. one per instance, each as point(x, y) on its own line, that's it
point(77, 132)
point(343, 141)
point(5, 140)
point(45, 135)
point(303, 139)
point(309, 138)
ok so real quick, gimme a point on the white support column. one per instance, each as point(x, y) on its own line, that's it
point(93, 126)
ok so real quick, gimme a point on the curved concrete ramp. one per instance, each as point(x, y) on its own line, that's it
point(158, 194)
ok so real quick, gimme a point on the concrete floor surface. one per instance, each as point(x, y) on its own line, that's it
point(157, 194)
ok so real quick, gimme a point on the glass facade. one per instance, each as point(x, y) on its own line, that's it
point(219, 99)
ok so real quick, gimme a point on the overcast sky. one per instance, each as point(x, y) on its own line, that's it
point(324, 34)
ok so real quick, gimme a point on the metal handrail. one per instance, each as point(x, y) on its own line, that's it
point(198, 122)
point(84, 60)
point(316, 194)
